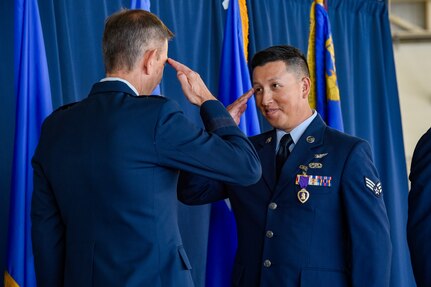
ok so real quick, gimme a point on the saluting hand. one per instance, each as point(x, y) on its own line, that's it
point(237, 108)
point(192, 85)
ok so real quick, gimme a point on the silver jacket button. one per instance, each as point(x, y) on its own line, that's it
point(269, 234)
point(267, 263)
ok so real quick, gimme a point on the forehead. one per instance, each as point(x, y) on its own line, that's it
point(271, 71)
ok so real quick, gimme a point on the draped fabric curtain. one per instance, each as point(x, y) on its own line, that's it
point(7, 121)
point(370, 105)
point(365, 67)
point(73, 40)
point(278, 23)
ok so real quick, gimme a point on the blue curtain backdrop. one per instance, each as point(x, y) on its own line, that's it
point(371, 109)
point(7, 121)
point(234, 81)
point(365, 68)
point(33, 104)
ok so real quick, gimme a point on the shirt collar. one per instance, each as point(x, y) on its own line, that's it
point(297, 132)
point(121, 80)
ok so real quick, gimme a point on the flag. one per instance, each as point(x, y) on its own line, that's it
point(234, 74)
point(324, 94)
point(33, 104)
point(234, 81)
point(140, 4)
point(144, 5)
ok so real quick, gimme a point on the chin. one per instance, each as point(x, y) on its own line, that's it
point(274, 122)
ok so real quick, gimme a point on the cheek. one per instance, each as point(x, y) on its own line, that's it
point(258, 100)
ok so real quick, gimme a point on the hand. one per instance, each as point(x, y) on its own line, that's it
point(193, 87)
point(237, 108)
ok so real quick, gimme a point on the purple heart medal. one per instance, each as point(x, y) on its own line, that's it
point(303, 194)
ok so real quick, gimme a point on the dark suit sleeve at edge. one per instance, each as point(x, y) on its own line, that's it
point(419, 211)
point(48, 232)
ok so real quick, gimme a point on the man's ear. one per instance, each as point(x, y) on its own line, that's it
point(148, 61)
point(306, 86)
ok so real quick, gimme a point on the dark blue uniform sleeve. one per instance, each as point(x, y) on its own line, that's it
point(48, 231)
point(367, 221)
point(194, 189)
point(419, 219)
point(220, 152)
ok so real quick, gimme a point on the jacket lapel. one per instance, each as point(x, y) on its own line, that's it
point(266, 149)
point(302, 153)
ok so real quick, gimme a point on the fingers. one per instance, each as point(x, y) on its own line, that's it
point(184, 73)
point(242, 109)
point(192, 85)
point(242, 100)
point(237, 108)
point(247, 95)
point(183, 79)
point(179, 67)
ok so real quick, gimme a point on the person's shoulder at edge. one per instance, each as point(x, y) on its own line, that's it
point(343, 137)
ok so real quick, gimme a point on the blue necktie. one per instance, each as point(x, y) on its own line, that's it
point(283, 152)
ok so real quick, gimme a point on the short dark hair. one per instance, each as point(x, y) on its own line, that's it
point(128, 33)
point(291, 56)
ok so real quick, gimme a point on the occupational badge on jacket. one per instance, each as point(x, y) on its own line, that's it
point(315, 165)
point(320, 155)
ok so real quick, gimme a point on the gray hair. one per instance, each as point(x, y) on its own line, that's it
point(128, 34)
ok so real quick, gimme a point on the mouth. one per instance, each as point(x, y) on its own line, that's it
point(271, 112)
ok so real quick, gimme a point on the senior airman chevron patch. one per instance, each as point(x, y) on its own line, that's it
point(376, 188)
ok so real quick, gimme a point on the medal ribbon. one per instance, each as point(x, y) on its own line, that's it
point(303, 181)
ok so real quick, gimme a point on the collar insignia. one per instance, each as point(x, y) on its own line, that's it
point(310, 139)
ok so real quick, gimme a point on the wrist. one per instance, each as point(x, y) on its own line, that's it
point(207, 98)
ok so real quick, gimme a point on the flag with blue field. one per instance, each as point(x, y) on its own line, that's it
point(33, 104)
point(234, 81)
point(324, 95)
point(144, 5)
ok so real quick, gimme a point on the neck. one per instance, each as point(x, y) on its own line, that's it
point(137, 80)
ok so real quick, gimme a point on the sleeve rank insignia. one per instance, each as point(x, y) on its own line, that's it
point(376, 188)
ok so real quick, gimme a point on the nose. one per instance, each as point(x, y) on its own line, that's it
point(266, 97)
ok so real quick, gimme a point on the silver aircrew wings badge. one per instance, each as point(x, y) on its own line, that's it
point(376, 188)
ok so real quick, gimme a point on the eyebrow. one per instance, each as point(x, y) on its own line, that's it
point(269, 80)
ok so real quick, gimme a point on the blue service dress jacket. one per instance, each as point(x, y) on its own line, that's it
point(324, 222)
point(104, 206)
point(419, 216)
